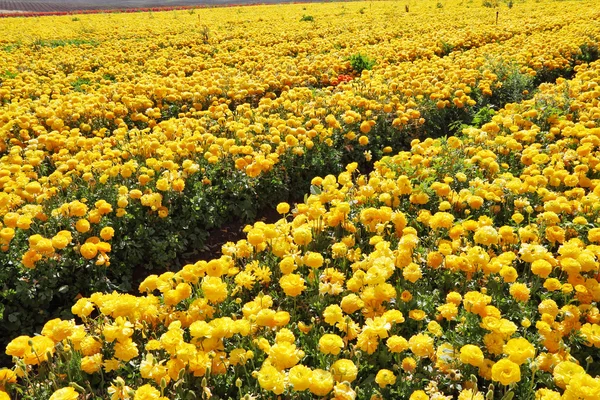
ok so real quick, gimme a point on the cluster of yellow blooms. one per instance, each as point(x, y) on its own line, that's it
point(135, 104)
point(465, 266)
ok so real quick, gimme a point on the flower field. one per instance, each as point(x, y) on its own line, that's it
point(436, 167)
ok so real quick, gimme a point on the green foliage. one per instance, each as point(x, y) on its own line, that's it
point(79, 84)
point(307, 18)
point(483, 116)
point(360, 62)
point(52, 43)
point(8, 75)
point(447, 48)
point(551, 109)
point(589, 52)
point(515, 85)
point(11, 47)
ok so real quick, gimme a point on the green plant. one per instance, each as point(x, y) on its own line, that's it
point(447, 48)
point(483, 116)
point(307, 18)
point(589, 52)
point(8, 75)
point(52, 43)
point(11, 47)
point(79, 83)
point(515, 85)
point(360, 62)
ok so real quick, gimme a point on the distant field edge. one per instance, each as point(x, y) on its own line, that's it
point(13, 8)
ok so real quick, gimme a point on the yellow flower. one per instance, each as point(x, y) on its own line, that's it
point(126, 350)
point(67, 393)
point(147, 392)
point(565, 371)
point(469, 394)
point(178, 185)
point(111, 365)
point(344, 370)
point(409, 364)
point(333, 314)
point(594, 235)
point(270, 379)
point(487, 236)
point(471, 354)
point(7, 234)
point(412, 273)
point(343, 391)
point(552, 284)
point(61, 240)
point(91, 364)
point(421, 345)
point(509, 274)
point(506, 372)
point(107, 233)
point(541, 268)
point(418, 395)
point(292, 284)
point(7, 376)
point(162, 184)
point(385, 377)
point(214, 289)
point(582, 386)
point(330, 344)
point(441, 220)
point(321, 382)
point(435, 329)
point(284, 355)
point(417, 315)
point(302, 235)
point(89, 250)
point(397, 344)
point(519, 291)
point(58, 330)
point(283, 208)
point(547, 394)
point(300, 377)
point(448, 311)
point(313, 260)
